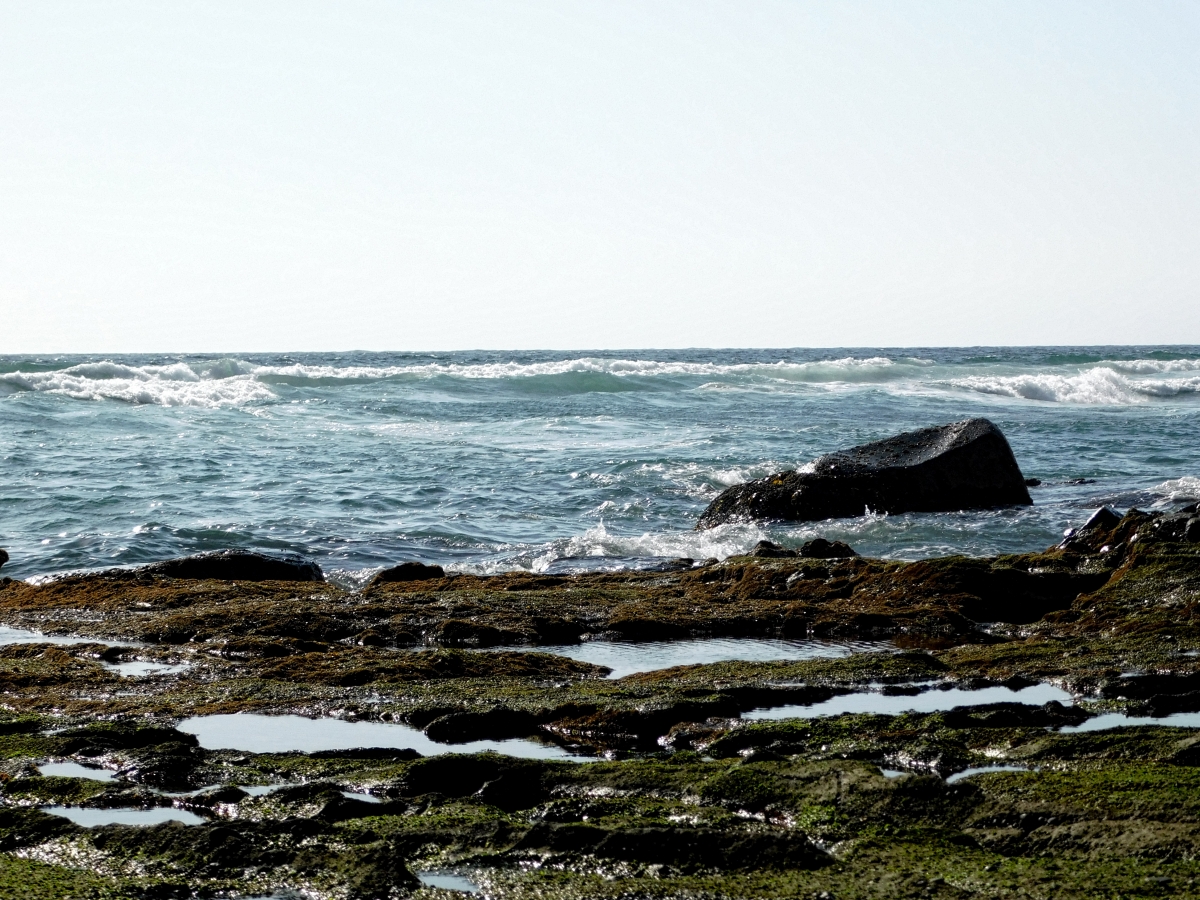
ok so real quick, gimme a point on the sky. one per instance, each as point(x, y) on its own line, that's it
point(289, 176)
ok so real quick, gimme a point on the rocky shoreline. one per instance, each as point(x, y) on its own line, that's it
point(674, 782)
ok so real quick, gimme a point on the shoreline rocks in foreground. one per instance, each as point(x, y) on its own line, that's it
point(693, 796)
point(964, 465)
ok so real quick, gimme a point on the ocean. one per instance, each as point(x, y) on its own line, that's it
point(547, 461)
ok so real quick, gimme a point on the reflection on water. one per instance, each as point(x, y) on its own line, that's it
point(75, 770)
point(90, 818)
point(628, 658)
point(924, 702)
point(449, 881)
point(255, 733)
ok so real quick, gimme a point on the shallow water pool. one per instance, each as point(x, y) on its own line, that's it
point(256, 733)
point(448, 881)
point(75, 770)
point(91, 818)
point(924, 702)
point(139, 669)
point(630, 658)
point(1121, 720)
point(25, 636)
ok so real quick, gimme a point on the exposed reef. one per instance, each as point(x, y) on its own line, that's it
point(676, 789)
point(964, 465)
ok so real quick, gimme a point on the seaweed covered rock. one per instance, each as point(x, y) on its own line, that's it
point(237, 565)
point(964, 465)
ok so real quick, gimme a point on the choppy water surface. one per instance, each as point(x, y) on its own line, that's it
point(494, 461)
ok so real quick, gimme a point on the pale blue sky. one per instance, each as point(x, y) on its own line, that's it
point(299, 175)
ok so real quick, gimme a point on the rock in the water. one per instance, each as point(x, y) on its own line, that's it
point(409, 571)
point(238, 565)
point(3, 557)
point(965, 465)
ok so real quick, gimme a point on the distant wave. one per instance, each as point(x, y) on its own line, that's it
point(846, 369)
point(233, 382)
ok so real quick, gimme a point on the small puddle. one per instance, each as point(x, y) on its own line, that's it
point(256, 733)
point(449, 881)
point(924, 702)
point(260, 790)
point(630, 658)
point(24, 636)
point(981, 770)
point(139, 669)
point(75, 770)
point(1121, 720)
point(91, 818)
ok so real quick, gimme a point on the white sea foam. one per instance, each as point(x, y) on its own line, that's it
point(1185, 488)
point(1100, 385)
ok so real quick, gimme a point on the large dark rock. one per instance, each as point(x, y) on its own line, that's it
point(237, 565)
point(965, 465)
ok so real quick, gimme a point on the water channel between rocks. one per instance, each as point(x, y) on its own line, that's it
point(925, 702)
point(630, 658)
point(257, 733)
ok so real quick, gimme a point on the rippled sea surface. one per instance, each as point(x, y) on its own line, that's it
point(551, 461)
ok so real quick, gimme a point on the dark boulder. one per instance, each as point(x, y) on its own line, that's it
point(3, 557)
point(409, 571)
point(965, 465)
point(237, 565)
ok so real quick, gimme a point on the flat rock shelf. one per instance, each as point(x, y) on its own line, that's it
point(767, 726)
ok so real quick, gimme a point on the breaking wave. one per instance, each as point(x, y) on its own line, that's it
point(1101, 385)
point(176, 384)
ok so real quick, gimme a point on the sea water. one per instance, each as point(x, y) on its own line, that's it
point(491, 461)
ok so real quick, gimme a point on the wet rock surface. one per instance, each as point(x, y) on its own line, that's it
point(673, 791)
point(964, 465)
